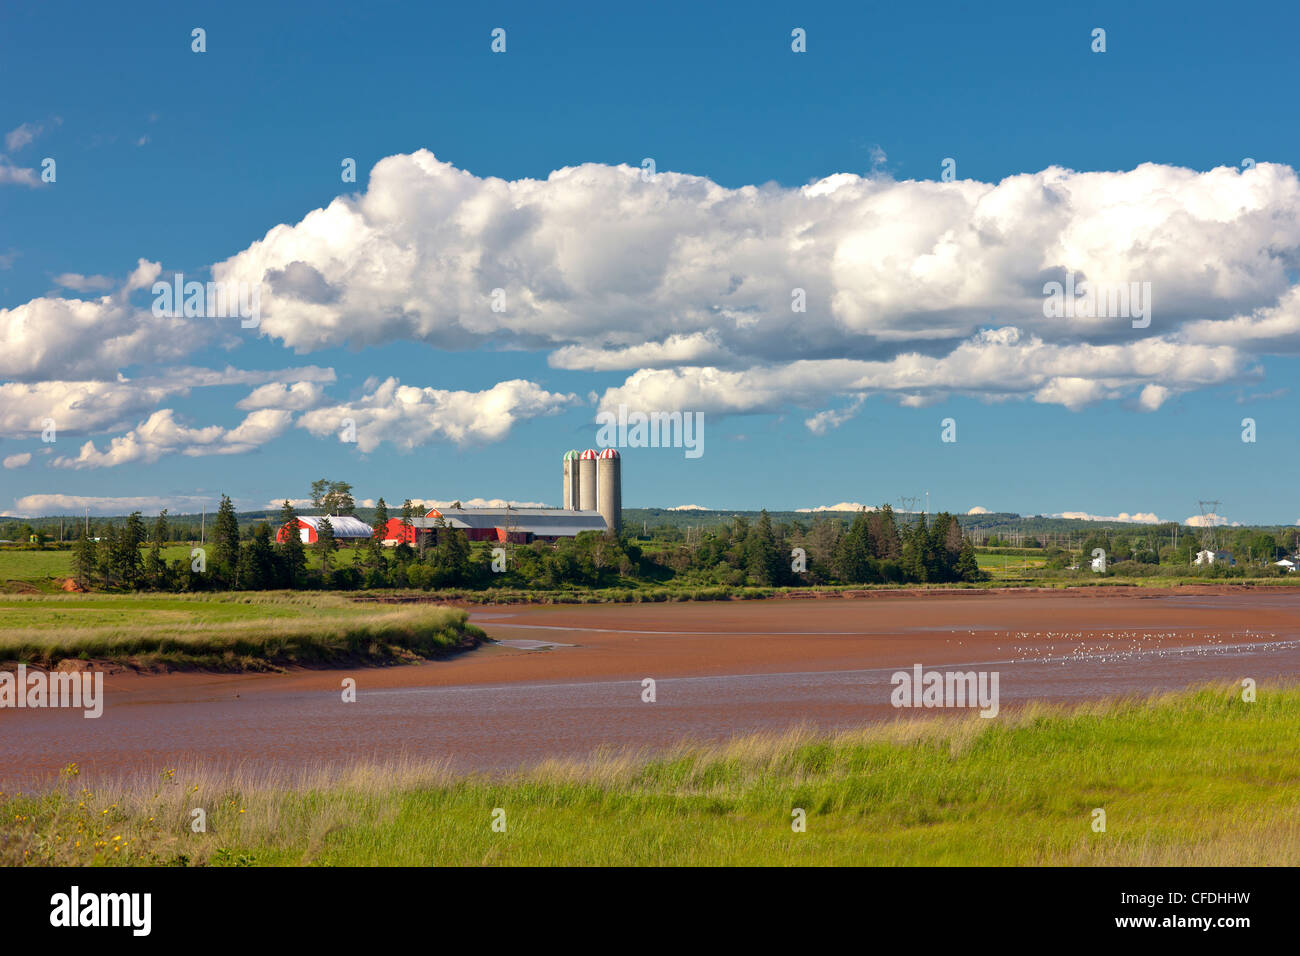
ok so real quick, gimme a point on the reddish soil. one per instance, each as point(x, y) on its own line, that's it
point(624, 641)
point(722, 669)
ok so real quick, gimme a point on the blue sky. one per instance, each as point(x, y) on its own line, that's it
point(186, 160)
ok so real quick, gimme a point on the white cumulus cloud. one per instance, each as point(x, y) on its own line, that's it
point(160, 434)
point(429, 504)
point(296, 397)
point(842, 506)
point(1141, 517)
point(408, 416)
point(35, 506)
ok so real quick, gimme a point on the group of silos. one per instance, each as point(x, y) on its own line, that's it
point(594, 482)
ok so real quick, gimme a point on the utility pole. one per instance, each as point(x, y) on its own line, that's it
point(203, 524)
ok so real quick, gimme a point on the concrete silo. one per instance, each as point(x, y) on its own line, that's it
point(587, 480)
point(571, 481)
point(610, 485)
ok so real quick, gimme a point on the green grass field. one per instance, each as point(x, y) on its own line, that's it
point(1195, 778)
point(42, 569)
point(32, 566)
point(1005, 566)
point(226, 631)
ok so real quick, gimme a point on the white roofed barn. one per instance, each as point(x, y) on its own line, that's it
point(346, 528)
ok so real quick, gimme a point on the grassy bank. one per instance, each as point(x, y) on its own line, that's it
point(223, 631)
point(1192, 778)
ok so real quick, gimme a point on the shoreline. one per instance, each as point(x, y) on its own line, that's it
point(223, 633)
point(397, 656)
point(559, 681)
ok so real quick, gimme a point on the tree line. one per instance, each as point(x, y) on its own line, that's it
point(872, 549)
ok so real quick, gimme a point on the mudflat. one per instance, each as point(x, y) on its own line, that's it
point(565, 680)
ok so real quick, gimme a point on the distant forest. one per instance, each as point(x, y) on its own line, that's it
point(869, 549)
point(995, 529)
point(665, 547)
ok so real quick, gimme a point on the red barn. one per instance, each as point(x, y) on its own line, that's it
point(396, 533)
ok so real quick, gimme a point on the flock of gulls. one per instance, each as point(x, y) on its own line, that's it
point(1119, 646)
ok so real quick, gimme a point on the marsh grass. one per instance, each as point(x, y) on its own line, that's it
point(1197, 777)
point(223, 631)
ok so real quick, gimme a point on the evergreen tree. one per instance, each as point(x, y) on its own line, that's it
point(762, 557)
point(155, 568)
point(853, 555)
point(225, 540)
point(885, 543)
point(456, 560)
point(968, 568)
point(108, 572)
point(85, 563)
point(943, 547)
point(916, 549)
point(404, 551)
point(128, 562)
point(293, 554)
point(257, 561)
point(370, 557)
point(161, 533)
point(325, 543)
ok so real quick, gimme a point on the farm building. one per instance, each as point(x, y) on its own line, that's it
point(396, 533)
point(594, 483)
point(1215, 557)
point(593, 501)
point(346, 528)
point(516, 525)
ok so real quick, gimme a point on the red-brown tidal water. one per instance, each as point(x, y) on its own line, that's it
point(566, 681)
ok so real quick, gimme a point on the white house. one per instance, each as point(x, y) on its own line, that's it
point(1215, 557)
point(1285, 563)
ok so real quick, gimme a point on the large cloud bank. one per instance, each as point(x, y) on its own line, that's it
point(911, 290)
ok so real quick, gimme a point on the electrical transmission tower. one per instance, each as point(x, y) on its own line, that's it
point(1209, 524)
point(908, 503)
